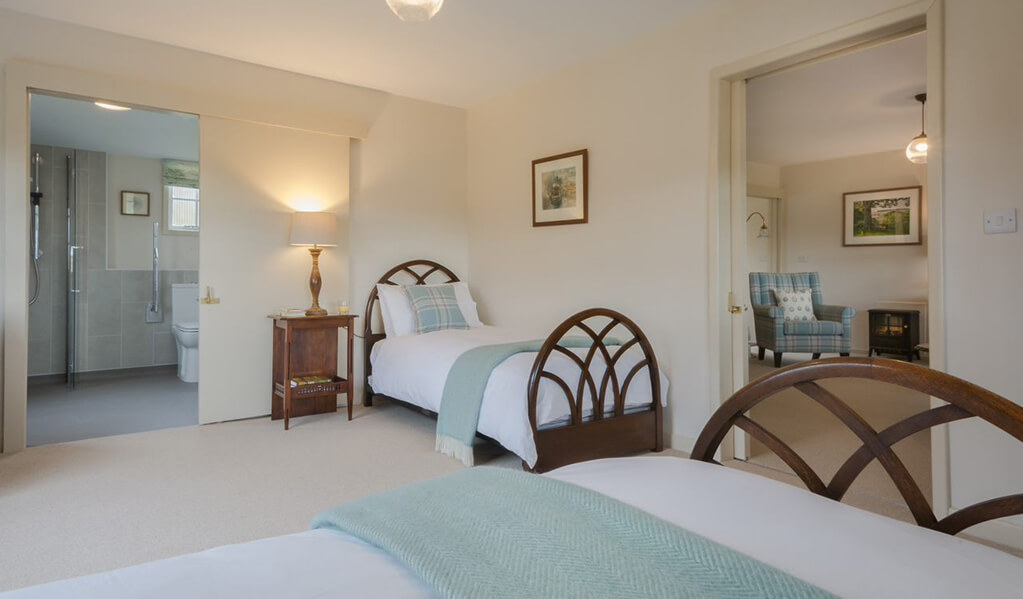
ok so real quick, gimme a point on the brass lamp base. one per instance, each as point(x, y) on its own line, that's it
point(315, 283)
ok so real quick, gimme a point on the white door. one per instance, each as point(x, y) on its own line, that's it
point(739, 300)
point(252, 179)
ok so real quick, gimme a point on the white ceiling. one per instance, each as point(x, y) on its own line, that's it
point(471, 51)
point(80, 124)
point(857, 103)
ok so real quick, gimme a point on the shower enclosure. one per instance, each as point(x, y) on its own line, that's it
point(56, 255)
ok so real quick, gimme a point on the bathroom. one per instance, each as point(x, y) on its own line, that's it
point(114, 255)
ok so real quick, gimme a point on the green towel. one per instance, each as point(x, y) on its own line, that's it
point(463, 391)
point(501, 533)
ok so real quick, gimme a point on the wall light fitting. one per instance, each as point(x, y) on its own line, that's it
point(763, 232)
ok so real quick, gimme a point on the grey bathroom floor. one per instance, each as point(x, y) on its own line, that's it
point(102, 405)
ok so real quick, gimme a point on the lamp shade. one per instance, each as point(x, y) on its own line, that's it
point(314, 228)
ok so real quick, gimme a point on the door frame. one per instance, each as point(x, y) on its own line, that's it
point(727, 190)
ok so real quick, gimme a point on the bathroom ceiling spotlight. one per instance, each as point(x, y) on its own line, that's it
point(415, 11)
point(108, 106)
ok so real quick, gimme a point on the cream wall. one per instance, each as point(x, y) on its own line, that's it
point(643, 112)
point(761, 174)
point(860, 277)
point(130, 238)
point(984, 287)
point(408, 197)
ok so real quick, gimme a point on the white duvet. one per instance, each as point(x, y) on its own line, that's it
point(413, 368)
point(839, 548)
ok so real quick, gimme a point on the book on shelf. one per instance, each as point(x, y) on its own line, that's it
point(313, 379)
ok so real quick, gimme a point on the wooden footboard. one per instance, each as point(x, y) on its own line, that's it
point(608, 431)
point(965, 400)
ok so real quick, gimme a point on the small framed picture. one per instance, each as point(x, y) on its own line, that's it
point(559, 189)
point(881, 217)
point(135, 203)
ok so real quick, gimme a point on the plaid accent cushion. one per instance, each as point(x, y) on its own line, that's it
point(436, 308)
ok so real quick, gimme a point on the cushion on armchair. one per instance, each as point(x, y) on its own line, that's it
point(797, 304)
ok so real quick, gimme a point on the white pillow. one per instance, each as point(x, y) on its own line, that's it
point(396, 310)
point(399, 317)
point(466, 304)
point(797, 303)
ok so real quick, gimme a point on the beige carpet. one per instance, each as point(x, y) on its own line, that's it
point(87, 506)
point(825, 443)
point(76, 508)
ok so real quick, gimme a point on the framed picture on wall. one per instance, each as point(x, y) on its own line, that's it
point(559, 189)
point(881, 217)
point(135, 203)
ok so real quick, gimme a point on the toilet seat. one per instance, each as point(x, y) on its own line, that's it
point(187, 327)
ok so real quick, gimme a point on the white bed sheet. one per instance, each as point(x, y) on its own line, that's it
point(414, 368)
point(839, 548)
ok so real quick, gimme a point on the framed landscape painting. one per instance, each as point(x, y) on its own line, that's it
point(559, 189)
point(881, 217)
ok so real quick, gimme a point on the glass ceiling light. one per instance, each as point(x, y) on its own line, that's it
point(415, 11)
point(916, 151)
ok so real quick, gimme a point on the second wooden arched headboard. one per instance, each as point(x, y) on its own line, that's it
point(413, 272)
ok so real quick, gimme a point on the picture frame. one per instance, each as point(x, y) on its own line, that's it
point(560, 188)
point(135, 203)
point(882, 217)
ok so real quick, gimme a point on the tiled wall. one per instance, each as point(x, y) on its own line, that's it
point(112, 328)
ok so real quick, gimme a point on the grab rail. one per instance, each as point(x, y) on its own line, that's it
point(153, 311)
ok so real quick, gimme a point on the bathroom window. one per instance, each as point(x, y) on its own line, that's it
point(182, 208)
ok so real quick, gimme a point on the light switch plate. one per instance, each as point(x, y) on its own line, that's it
point(1000, 221)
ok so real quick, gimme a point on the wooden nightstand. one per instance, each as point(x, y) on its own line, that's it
point(305, 377)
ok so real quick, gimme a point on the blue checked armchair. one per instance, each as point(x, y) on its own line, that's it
point(831, 332)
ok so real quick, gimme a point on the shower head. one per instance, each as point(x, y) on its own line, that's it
point(37, 161)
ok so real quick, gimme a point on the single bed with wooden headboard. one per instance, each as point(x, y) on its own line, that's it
point(601, 419)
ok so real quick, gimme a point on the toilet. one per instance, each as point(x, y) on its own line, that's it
point(185, 328)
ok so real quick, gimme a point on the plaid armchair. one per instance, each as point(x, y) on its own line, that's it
point(831, 332)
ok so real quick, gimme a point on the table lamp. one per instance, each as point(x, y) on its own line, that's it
point(319, 230)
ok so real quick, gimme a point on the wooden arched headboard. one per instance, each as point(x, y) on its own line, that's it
point(413, 272)
point(965, 400)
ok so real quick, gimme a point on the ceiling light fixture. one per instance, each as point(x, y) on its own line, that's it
point(916, 151)
point(415, 11)
point(108, 106)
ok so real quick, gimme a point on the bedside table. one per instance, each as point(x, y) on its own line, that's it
point(305, 377)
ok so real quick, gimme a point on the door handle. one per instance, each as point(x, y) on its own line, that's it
point(732, 308)
point(72, 259)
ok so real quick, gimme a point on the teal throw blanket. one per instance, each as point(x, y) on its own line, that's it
point(501, 533)
point(463, 392)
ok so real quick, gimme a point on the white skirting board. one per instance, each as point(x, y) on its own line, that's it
point(1008, 532)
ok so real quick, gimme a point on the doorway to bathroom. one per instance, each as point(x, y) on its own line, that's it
point(113, 274)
